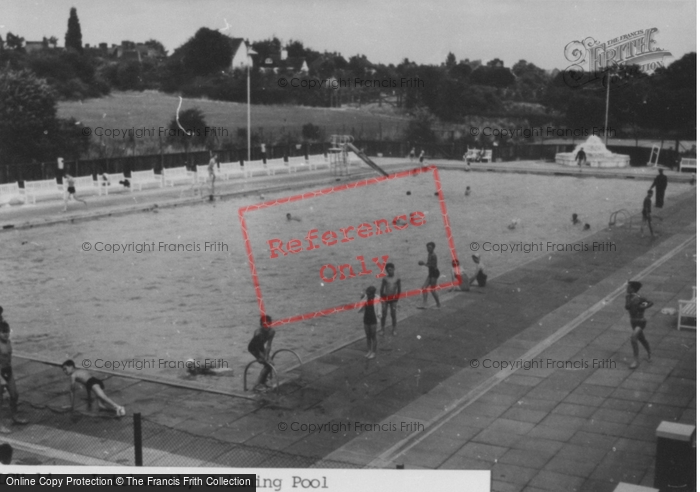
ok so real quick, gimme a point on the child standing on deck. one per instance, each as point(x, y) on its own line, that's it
point(370, 321)
point(7, 380)
point(636, 304)
point(389, 292)
point(646, 213)
point(433, 275)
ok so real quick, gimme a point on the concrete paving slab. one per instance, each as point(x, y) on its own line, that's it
point(569, 467)
point(542, 431)
point(457, 462)
point(526, 458)
point(525, 415)
point(496, 438)
point(550, 480)
point(573, 410)
point(512, 473)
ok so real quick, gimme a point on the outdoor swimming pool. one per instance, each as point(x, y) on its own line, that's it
point(67, 300)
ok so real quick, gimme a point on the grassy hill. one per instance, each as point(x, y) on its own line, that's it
point(124, 110)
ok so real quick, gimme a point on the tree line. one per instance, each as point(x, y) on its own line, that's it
point(663, 103)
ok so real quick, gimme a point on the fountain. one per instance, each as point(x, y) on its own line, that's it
point(596, 155)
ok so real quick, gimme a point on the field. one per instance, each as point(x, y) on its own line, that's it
point(148, 109)
point(144, 305)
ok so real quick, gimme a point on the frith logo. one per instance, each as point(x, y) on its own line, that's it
point(635, 48)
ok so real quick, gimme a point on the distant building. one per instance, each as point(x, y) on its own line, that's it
point(240, 54)
point(44, 44)
point(128, 50)
point(33, 46)
point(284, 64)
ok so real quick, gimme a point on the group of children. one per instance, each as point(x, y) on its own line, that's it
point(390, 292)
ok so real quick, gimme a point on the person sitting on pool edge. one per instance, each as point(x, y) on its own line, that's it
point(458, 270)
point(92, 385)
point(260, 347)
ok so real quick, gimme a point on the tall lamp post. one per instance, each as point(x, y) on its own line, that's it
point(250, 65)
point(612, 70)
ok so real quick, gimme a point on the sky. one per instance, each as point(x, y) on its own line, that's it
point(385, 31)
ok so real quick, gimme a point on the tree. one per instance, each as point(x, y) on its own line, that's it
point(14, 42)
point(461, 71)
point(267, 48)
point(311, 132)
point(451, 61)
point(295, 48)
point(74, 38)
point(192, 120)
point(672, 104)
point(530, 80)
point(28, 124)
point(420, 129)
point(206, 52)
point(493, 75)
point(156, 45)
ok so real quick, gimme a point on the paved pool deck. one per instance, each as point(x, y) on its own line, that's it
point(568, 414)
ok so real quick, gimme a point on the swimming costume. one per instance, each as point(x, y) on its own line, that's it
point(71, 189)
point(257, 347)
point(92, 382)
point(642, 323)
point(433, 273)
point(370, 317)
point(6, 373)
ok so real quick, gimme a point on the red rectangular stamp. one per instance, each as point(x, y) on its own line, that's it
point(315, 253)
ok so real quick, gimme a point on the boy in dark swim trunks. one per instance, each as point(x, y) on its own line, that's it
point(260, 346)
point(70, 192)
point(636, 304)
point(433, 275)
point(370, 322)
point(646, 213)
point(92, 385)
point(7, 379)
point(389, 292)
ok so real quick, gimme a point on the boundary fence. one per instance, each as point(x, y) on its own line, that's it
point(10, 173)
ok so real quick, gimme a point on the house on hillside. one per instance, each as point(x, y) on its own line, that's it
point(240, 54)
point(32, 46)
point(285, 64)
point(44, 44)
point(129, 50)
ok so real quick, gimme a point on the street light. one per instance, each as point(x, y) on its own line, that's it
point(249, 54)
point(612, 71)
